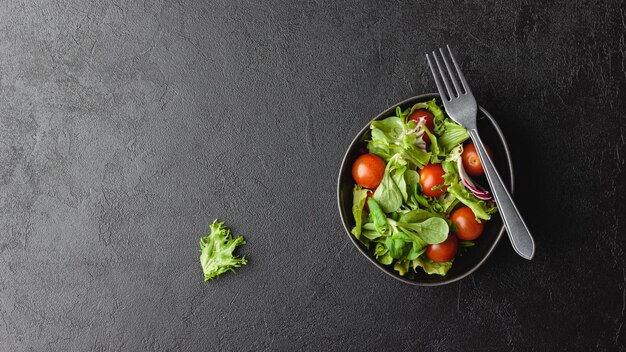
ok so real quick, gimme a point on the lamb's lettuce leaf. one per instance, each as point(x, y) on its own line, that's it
point(392, 189)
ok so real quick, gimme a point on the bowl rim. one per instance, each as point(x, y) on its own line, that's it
point(343, 166)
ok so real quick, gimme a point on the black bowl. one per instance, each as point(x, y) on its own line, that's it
point(468, 260)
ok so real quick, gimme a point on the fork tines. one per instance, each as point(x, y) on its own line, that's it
point(459, 90)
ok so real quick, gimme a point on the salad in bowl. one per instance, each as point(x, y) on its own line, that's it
point(417, 200)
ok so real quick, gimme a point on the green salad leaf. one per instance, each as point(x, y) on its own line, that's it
point(431, 231)
point(417, 215)
point(401, 266)
point(412, 152)
point(378, 217)
point(451, 177)
point(438, 116)
point(434, 147)
point(481, 209)
point(397, 243)
point(359, 195)
point(392, 189)
point(216, 251)
point(389, 129)
point(453, 135)
point(382, 254)
point(415, 198)
point(447, 202)
point(393, 136)
point(431, 267)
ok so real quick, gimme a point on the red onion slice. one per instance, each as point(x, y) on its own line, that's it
point(477, 190)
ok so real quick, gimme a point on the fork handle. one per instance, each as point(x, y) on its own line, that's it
point(517, 230)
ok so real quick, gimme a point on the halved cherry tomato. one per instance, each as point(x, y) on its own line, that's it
point(468, 228)
point(432, 176)
point(417, 115)
point(471, 160)
point(444, 251)
point(368, 170)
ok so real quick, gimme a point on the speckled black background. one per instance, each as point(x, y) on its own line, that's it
point(126, 127)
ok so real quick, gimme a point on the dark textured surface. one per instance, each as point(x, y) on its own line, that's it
point(126, 127)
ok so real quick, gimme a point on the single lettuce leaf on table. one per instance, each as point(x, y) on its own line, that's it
point(217, 249)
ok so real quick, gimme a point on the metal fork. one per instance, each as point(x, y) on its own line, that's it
point(462, 108)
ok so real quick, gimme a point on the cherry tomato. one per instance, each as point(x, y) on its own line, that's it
point(444, 251)
point(417, 115)
point(368, 170)
point(468, 228)
point(431, 176)
point(471, 160)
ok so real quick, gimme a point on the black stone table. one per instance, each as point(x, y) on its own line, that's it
point(127, 127)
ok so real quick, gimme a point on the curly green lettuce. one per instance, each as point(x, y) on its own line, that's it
point(217, 249)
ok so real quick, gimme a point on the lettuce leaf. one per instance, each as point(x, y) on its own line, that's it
point(431, 267)
point(389, 129)
point(359, 195)
point(216, 251)
point(417, 215)
point(481, 209)
point(392, 189)
point(393, 136)
point(377, 216)
point(451, 176)
point(434, 147)
point(412, 153)
point(453, 135)
point(447, 202)
point(402, 267)
point(438, 116)
point(431, 231)
point(382, 254)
